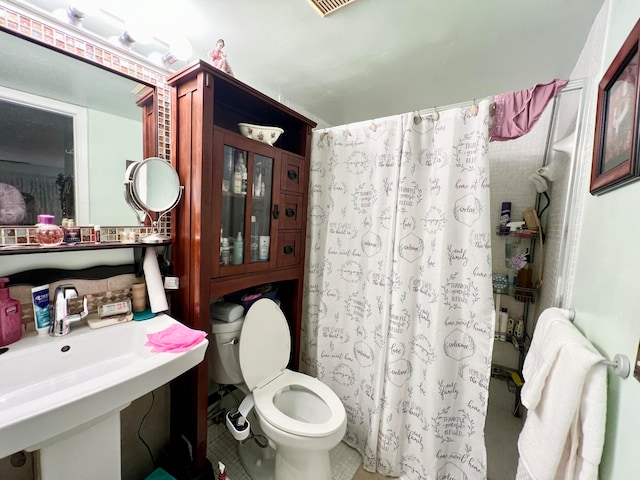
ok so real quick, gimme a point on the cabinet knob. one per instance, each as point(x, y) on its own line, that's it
point(288, 250)
point(290, 212)
point(292, 174)
point(276, 212)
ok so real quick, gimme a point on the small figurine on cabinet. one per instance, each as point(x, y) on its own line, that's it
point(219, 59)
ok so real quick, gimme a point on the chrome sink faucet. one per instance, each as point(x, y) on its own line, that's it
point(61, 323)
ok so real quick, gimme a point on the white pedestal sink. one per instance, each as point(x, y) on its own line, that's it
point(63, 395)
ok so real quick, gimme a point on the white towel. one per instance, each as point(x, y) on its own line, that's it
point(565, 394)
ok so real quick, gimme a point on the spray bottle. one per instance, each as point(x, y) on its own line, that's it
point(222, 475)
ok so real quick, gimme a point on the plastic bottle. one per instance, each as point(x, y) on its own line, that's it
point(222, 475)
point(518, 331)
point(254, 252)
point(240, 175)
point(10, 320)
point(225, 252)
point(257, 185)
point(503, 321)
point(238, 250)
point(505, 217)
point(228, 171)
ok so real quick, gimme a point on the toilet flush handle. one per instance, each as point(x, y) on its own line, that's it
point(233, 341)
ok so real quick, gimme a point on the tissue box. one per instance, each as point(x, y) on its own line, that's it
point(225, 311)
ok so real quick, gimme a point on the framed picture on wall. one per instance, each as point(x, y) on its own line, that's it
point(615, 152)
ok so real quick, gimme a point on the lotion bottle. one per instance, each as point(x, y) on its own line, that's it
point(238, 250)
point(10, 320)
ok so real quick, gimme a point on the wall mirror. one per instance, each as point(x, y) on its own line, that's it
point(61, 116)
point(152, 189)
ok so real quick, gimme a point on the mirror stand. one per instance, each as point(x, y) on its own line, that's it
point(156, 236)
point(152, 186)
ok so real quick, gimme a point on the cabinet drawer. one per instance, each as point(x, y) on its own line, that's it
point(289, 249)
point(290, 212)
point(292, 174)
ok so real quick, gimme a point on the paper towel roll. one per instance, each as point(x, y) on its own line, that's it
point(155, 287)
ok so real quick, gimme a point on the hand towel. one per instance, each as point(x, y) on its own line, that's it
point(565, 393)
point(176, 338)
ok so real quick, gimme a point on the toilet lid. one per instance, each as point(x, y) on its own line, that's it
point(265, 343)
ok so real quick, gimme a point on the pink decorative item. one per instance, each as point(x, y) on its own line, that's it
point(176, 338)
point(516, 113)
point(219, 59)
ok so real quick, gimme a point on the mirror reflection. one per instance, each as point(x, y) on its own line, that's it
point(67, 130)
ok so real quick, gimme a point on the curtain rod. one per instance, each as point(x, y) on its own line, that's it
point(572, 85)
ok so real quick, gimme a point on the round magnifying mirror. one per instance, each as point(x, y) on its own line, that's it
point(153, 186)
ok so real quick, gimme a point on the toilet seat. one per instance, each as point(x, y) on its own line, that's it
point(265, 347)
point(265, 343)
point(264, 404)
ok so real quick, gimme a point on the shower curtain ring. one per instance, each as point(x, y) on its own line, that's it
point(473, 110)
point(435, 115)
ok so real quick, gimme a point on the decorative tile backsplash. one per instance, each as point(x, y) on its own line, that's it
point(26, 235)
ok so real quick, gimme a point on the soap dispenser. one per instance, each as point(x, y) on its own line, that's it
point(10, 321)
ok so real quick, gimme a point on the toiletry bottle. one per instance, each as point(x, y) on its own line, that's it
point(505, 217)
point(41, 308)
point(71, 233)
point(222, 475)
point(240, 175)
point(225, 252)
point(255, 240)
point(228, 170)
point(518, 331)
point(10, 320)
point(47, 232)
point(510, 326)
point(503, 320)
point(238, 250)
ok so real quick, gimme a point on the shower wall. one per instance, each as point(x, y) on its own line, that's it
point(511, 163)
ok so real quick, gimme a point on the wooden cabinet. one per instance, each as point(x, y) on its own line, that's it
point(207, 105)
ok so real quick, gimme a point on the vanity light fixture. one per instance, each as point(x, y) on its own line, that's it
point(180, 49)
point(75, 15)
point(134, 33)
point(126, 39)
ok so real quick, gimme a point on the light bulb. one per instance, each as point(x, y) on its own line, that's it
point(181, 49)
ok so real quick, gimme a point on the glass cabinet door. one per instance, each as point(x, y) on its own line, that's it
point(246, 207)
point(261, 209)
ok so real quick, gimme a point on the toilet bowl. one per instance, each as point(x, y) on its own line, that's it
point(299, 414)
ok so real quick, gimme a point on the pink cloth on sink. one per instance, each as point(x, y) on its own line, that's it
point(176, 338)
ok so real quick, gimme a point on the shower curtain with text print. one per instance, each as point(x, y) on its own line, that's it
point(398, 295)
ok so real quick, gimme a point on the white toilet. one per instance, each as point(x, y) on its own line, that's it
point(301, 416)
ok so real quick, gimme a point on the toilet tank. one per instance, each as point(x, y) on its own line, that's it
point(224, 361)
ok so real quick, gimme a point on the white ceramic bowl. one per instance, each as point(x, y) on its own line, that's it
point(267, 135)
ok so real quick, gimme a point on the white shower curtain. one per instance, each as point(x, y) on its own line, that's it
point(398, 296)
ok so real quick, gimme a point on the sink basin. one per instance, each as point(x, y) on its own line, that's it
point(54, 387)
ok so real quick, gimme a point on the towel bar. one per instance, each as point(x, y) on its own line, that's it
point(620, 363)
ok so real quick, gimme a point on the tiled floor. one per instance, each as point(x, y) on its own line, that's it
point(345, 461)
point(501, 435)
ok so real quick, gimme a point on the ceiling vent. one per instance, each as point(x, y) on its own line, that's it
point(325, 7)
